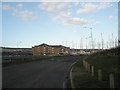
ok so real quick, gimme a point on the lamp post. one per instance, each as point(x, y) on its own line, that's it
point(18, 42)
point(102, 41)
point(86, 43)
point(81, 43)
point(91, 36)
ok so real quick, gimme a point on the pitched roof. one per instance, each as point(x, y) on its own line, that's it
point(43, 44)
point(55, 46)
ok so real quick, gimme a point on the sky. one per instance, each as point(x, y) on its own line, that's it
point(72, 24)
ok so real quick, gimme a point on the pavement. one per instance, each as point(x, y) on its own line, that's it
point(38, 74)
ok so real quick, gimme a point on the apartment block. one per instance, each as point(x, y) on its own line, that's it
point(45, 49)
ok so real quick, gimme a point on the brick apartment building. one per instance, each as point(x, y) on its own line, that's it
point(45, 49)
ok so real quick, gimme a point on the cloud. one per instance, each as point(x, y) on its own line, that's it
point(67, 14)
point(7, 7)
point(53, 6)
point(110, 17)
point(63, 12)
point(23, 14)
point(93, 22)
point(19, 5)
point(62, 15)
point(103, 5)
point(58, 10)
point(75, 31)
point(81, 21)
point(90, 7)
point(77, 21)
point(96, 22)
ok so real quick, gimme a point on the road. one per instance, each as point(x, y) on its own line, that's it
point(38, 74)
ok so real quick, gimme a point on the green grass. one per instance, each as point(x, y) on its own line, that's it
point(104, 62)
point(23, 60)
point(108, 64)
point(85, 80)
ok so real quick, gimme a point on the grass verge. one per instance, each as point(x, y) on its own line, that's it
point(108, 64)
point(14, 61)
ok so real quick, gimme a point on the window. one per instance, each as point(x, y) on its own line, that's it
point(44, 49)
point(44, 52)
point(52, 50)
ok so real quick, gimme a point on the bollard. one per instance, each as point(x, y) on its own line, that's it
point(88, 67)
point(92, 70)
point(112, 83)
point(100, 75)
point(84, 62)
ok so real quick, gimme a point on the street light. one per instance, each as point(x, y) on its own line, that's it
point(18, 42)
point(102, 41)
point(86, 43)
point(91, 36)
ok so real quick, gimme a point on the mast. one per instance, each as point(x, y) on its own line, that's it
point(102, 41)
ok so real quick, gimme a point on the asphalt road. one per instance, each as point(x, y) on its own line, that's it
point(38, 74)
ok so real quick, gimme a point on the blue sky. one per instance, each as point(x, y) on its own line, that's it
point(26, 24)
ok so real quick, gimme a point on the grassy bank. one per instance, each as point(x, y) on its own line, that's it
point(82, 79)
point(22, 60)
point(108, 64)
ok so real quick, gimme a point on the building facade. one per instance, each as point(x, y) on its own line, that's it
point(45, 49)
